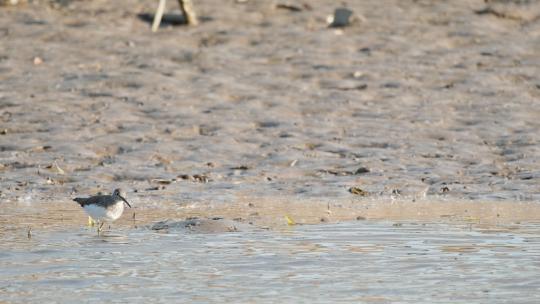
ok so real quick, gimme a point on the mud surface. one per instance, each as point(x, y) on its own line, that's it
point(414, 98)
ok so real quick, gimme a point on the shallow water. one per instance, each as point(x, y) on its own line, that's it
point(364, 261)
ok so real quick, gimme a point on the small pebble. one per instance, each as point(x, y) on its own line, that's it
point(340, 18)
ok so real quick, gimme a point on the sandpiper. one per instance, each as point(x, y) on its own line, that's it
point(104, 208)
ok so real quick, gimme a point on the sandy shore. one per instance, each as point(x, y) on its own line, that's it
point(430, 108)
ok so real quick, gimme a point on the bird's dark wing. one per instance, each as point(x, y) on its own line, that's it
point(100, 200)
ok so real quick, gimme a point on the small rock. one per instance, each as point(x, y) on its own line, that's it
point(184, 176)
point(358, 74)
point(38, 61)
point(361, 170)
point(341, 17)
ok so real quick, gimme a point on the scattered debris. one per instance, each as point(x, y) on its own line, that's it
point(40, 148)
point(358, 191)
point(206, 130)
point(155, 188)
point(289, 220)
point(161, 159)
point(396, 192)
point(201, 178)
point(358, 87)
point(289, 6)
point(162, 181)
point(359, 171)
point(267, 124)
point(523, 11)
point(38, 61)
point(241, 167)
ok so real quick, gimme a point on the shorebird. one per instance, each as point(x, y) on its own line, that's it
point(104, 208)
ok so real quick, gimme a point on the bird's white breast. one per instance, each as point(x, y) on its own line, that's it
point(102, 214)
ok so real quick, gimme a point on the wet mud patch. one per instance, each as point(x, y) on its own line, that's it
point(202, 225)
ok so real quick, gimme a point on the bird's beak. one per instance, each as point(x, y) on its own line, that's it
point(125, 201)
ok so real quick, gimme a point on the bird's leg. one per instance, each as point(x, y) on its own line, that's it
point(100, 226)
point(158, 15)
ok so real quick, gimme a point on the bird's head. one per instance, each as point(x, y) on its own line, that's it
point(121, 194)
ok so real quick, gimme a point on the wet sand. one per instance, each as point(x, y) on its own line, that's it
point(419, 100)
point(418, 112)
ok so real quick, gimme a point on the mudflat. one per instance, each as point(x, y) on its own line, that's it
point(417, 110)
